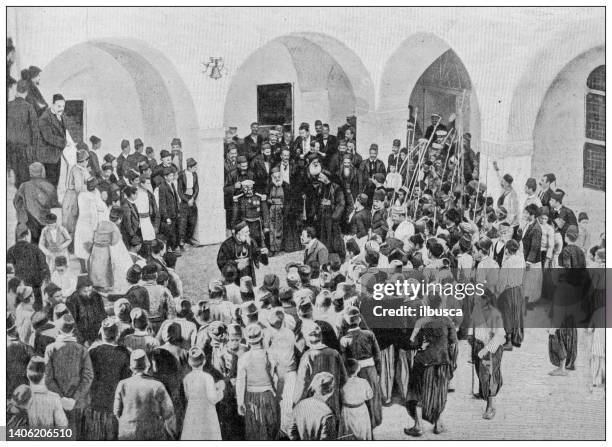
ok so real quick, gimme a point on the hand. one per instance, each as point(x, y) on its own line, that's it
point(67, 403)
point(241, 410)
point(237, 185)
point(190, 202)
point(482, 353)
point(264, 251)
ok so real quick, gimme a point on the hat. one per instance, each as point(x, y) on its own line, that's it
point(436, 115)
point(50, 218)
point(109, 158)
point(196, 357)
point(276, 315)
point(397, 142)
point(83, 281)
point(379, 177)
point(322, 383)
point(253, 334)
point(352, 315)
point(572, 233)
point(311, 157)
point(66, 323)
point(583, 216)
point(138, 315)
point(441, 133)
point(247, 184)
point(119, 304)
point(508, 178)
point(22, 86)
point(131, 175)
point(115, 213)
point(239, 226)
point(82, 155)
point(191, 162)
point(139, 360)
point(203, 305)
point(246, 284)
point(241, 159)
point(176, 142)
point(248, 308)
point(52, 289)
point(271, 282)
point(134, 274)
point(39, 319)
point(374, 146)
point(216, 330)
point(92, 182)
point(216, 289)
point(109, 327)
point(465, 244)
point(363, 199)
point(164, 153)
point(138, 142)
point(436, 146)
point(33, 71)
point(22, 395)
point(467, 136)
point(125, 144)
point(379, 194)
point(484, 244)
point(36, 365)
point(234, 329)
point(466, 227)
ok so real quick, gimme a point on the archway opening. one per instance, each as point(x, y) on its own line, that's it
point(129, 90)
point(328, 82)
point(426, 73)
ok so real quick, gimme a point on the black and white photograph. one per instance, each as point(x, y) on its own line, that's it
point(305, 223)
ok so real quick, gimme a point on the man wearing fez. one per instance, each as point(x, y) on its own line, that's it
point(435, 120)
point(242, 250)
point(176, 150)
point(559, 211)
point(52, 141)
point(122, 165)
point(188, 190)
point(302, 142)
point(252, 143)
point(233, 186)
point(135, 158)
point(21, 134)
point(34, 97)
point(372, 165)
point(34, 199)
point(168, 200)
point(331, 203)
point(252, 208)
point(157, 176)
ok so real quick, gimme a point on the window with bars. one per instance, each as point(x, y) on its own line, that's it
point(594, 164)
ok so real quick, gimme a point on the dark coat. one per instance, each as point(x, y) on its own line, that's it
point(229, 250)
point(260, 173)
point(37, 100)
point(250, 148)
point(130, 223)
point(182, 187)
point(52, 137)
point(30, 263)
point(21, 123)
point(88, 313)
point(532, 243)
point(368, 172)
point(360, 223)
point(168, 202)
point(229, 190)
point(379, 223)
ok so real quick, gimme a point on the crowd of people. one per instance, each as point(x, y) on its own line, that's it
point(120, 350)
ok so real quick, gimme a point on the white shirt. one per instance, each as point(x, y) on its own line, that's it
point(285, 174)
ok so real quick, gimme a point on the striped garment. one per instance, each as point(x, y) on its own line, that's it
point(313, 421)
point(141, 340)
point(45, 409)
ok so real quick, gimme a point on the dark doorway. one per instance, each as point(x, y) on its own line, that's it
point(275, 105)
point(75, 118)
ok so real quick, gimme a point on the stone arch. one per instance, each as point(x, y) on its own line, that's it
point(330, 80)
point(131, 90)
point(405, 69)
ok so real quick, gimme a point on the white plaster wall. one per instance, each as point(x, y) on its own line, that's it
point(559, 135)
point(112, 105)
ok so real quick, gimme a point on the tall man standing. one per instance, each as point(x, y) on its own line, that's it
point(168, 200)
point(52, 126)
point(21, 134)
point(188, 190)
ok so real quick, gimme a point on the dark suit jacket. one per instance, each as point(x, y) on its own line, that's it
point(261, 174)
point(168, 203)
point(318, 253)
point(532, 243)
point(21, 123)
point(379, 223)
point(379, 168)
point(250, 148)
point(182, 187)
point(52, 137)
point(332, 144)
point(130, 223)
point(37, 100)
point(361, 223)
